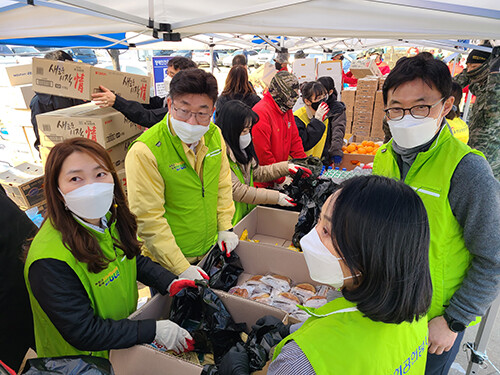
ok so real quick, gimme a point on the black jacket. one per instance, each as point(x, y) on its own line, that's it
point(16, 320)
point(145, 115)
point(42, 103)
point(63, 298)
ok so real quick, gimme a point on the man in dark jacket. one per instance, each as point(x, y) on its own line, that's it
point(16, 321)
point(145, 115)
point(42, 103)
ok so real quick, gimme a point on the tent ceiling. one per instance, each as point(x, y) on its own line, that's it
point(382, 19)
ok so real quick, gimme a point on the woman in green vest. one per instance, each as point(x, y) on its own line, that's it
point(311, 119)
point(372, 242)
point(236, 120)
point(83, 265)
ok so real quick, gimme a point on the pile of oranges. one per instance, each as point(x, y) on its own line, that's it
point(366, 148)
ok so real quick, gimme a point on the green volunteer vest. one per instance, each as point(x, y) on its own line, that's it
point(112, 292)
point(317, 150)
point(241, 209)
point(338, 339)
point(190, 202)
point(430, 176)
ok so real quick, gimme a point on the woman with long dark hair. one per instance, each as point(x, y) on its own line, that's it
point(372, 242)
point(236, 120)
point(83, 265)
point(237, 87)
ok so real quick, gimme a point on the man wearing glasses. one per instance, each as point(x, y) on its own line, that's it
point(460, 193)
point(179, 180)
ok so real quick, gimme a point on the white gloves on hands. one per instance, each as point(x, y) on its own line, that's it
point(227, 241)
point(285, 200)
point(194, 273)
point(321, 111)
point(171, 336)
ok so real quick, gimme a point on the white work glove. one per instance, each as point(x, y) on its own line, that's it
point(172, 337)
point(227, 241)
point(285, 201)
point(194, 273)
point(321, 112)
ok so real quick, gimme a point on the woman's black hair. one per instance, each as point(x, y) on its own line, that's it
point(456, 91)
point(232, 120)
point(380, 228)
point(434, 73)
point(313, 88)
point(329, 84)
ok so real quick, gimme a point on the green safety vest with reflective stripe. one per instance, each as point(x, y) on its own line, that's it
point(241, 209)
point(190, 202)
point(430, 176)
point(338, 339)
point(112, 292)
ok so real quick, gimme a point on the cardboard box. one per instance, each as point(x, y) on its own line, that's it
point(363, 68)
point(271, 226)
point(106, 126)
point(17, 96)
point(144, 360)
point(304, 69)
point(24, 185)
point(15, 75)
point(331, 69)
point(80, 81)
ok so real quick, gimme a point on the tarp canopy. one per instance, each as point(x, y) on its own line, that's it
point(340, 19)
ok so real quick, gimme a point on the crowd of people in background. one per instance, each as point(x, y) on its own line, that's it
point(207, 159)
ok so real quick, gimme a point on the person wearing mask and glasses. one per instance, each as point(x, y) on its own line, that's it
point(460, 194)
point(179, 180)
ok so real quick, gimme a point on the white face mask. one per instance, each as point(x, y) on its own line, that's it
point(410, 132)
point(245, 140)
point(166, 83)
point(323, 266)
point(188, 133)
point(91, 201)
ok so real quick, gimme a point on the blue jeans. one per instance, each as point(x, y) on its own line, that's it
point(440, 364)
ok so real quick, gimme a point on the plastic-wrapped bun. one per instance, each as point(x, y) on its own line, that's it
point(304, 291)
point(281, 283)
point(286, 302)
point(315, 302)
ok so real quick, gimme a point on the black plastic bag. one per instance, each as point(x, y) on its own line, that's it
point(70, 365)
point(202, 313)
point(223, 270)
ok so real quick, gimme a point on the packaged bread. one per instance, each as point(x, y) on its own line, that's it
point(315, 302)
point(304, 291)
point(279, 282)
point(286, 302)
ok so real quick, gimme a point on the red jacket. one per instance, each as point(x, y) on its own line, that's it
point(275, 137)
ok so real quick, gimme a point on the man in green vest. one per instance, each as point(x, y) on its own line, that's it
point(179, 180)
point(460, 193)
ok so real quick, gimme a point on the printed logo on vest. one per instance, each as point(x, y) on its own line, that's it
point(414, 356)
point(109, 278)
point(178, 166)
point(214, 153)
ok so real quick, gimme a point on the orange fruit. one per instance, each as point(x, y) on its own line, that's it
point(351, 148)
point(361, 150)
point(369, 149)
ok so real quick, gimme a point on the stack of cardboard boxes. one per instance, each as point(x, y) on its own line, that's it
point(18, 137)
point(363, 106)
point(106, 126)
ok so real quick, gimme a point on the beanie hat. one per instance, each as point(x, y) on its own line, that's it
point(477, 57)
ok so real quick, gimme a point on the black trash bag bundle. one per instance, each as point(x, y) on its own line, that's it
point(223, 270)
point(204, 316)
point(244, 359)
point(310, 194)
point(70, 365)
